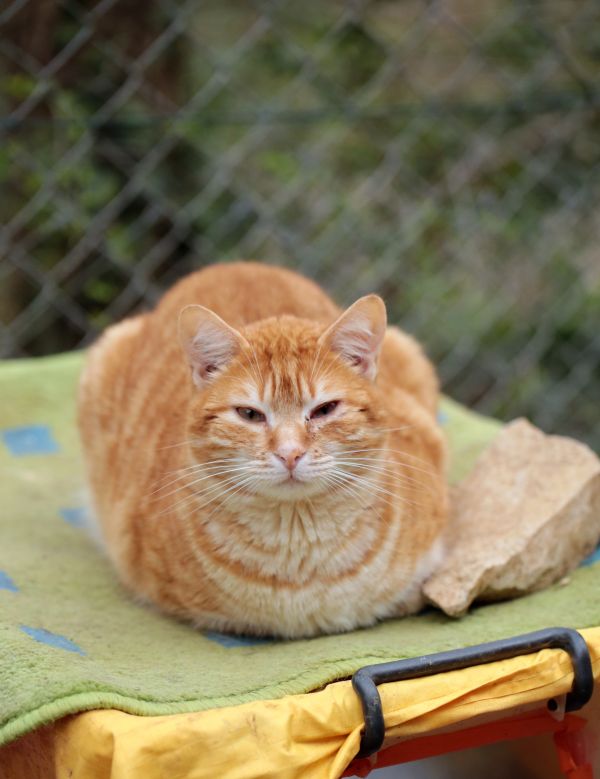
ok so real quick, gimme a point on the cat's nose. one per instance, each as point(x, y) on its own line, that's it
point(290, 455)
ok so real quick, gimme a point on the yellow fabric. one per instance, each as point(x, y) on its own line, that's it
point(313, 736)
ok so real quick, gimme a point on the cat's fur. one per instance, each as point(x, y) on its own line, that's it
point(197, 504)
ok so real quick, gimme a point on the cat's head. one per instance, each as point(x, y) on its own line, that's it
point(281, 405)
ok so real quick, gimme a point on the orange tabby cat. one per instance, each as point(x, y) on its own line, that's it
point(282, 474)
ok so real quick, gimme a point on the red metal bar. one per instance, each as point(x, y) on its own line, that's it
point(567, 735)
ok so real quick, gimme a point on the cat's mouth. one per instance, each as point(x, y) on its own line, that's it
point(293, 487)
point(293, 480)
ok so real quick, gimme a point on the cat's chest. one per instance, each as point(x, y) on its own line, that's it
point(292, 545)
point(296, 572)
point(326, 585)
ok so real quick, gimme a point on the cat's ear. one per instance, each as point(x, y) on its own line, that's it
point(358, 333)
point(208, 342)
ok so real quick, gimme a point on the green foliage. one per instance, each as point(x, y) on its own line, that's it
point(375, 152)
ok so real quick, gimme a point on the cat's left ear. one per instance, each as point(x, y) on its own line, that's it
point(358, 333)
point(208, 342)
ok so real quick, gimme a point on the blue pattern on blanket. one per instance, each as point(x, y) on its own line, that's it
point(593, 558)
point(229, 642)
point(51, 639)
point(75, 516)
point(6, 583)
point(30, 439)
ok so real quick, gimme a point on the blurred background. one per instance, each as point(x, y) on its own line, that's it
point(443, 154)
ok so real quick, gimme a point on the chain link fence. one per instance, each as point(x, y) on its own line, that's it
point(444, 154)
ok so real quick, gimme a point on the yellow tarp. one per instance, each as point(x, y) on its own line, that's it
point(313, 736)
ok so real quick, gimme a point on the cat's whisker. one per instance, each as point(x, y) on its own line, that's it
point(388, 502)
point(209, 462)
point(398, 468)
point(386, 449)
point(345, 487)
point(427, 470)
point(191, 442)
point(190, 484)
point(251, 374)
point(213, 465)
point(343, 475)
point(393, 468)
point(332, 482)
point(197, 467)
point(393, 429)
point(253, 363)
point(187, 518)
point(247, 482)
point(238, 477)
point(328, 371)
point(399, 484)
point(400, 479)
point(233, 481)
point(312, 372)
point(229, 493)
point(257, 374)
point(322, 371)
point(197, 509)
point(390, 464)
point(222, 502)
point(202, 468)
point(374, 486)
point(247, 366)
point(385, 470)
point(237, 470)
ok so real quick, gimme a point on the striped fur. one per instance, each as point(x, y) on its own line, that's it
point(198, 512)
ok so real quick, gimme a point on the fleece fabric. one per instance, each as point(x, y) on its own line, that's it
point(71, 639)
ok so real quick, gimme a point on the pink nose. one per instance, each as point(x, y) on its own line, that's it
point(290, 456)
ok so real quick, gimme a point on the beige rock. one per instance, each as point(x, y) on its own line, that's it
point(524, 517)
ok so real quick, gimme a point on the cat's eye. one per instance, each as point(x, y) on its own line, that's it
point(250, 414)
point(324, 409)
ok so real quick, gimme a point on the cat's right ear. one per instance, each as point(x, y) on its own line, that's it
point(358, 333)
point(208, 342)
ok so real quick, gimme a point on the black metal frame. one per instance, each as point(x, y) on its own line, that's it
point(366, 679)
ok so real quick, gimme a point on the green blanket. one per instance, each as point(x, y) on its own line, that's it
point(71, 639)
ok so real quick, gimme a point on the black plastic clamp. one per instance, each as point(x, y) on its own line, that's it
point(366, 679)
